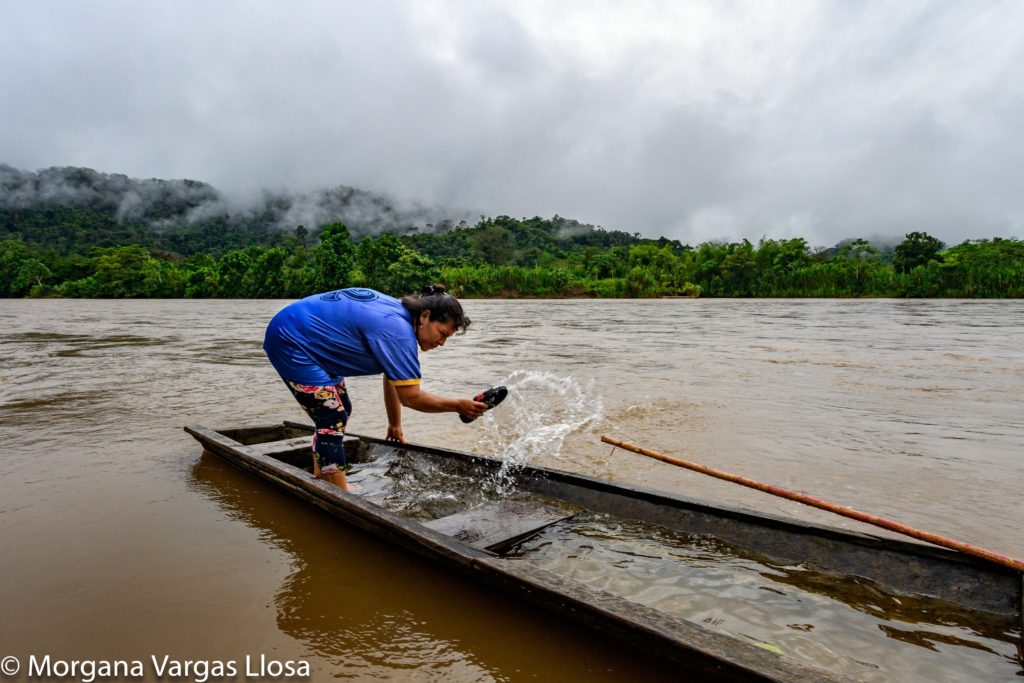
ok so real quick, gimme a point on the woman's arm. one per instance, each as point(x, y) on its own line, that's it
point(411, 396)
point(394, 409)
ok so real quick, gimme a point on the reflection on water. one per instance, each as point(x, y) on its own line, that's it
point(907, 409)
point(366, 612)
point(375, 635)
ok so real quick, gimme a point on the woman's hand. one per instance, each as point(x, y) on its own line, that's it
point(470, 409)
point(411, 396)
point(395, 434)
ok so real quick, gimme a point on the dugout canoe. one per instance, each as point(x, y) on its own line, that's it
point(478, 534)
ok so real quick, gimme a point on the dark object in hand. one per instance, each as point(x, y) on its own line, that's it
point(491, 397)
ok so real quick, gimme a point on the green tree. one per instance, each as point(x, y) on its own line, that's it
point(606, 264)
point(859, 259)
point(20, 272)
point(779, 263)
point(641, 282)
point(495, 245)
point(705, 263)
point(916, 250)
point(122, 272)
point(981, 268)
point(374, 255)
point(529, 257)
point(266, 278)
point(334, 258)
point(232, 269)
point(200, 275)
point(70, 267)
point(201, 283)
point(410, 273)
point(82, 288)
point(163, 280)
point(388, 265)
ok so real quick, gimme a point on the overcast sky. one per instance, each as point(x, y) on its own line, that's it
point(694, 120)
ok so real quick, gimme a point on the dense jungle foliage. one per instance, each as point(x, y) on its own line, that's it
point(168, 247)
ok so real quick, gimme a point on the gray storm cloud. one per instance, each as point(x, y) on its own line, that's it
point(697, 121)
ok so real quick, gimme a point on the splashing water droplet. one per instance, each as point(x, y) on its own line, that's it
point(540, 411)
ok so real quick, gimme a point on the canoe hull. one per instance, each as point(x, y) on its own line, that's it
point(275, 452)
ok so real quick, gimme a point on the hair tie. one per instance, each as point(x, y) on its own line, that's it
point(433, 290)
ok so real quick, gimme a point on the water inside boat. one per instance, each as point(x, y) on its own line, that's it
point(846, 624)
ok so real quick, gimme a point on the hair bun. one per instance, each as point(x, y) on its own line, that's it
point(432, 289)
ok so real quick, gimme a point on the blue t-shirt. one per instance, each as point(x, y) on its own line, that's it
point(324, 338)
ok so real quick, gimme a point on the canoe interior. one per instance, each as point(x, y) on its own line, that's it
point(499, 526)
point(254, 435)
point(906, 568)
point(533, 516)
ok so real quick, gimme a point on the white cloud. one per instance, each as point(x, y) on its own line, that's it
point(695, 120)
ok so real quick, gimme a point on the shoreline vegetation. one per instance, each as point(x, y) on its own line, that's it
point(918, 267)
point(76, 233)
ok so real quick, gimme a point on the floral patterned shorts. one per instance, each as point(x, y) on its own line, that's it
point(329, 406)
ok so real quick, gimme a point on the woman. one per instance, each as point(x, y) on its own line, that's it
point(316, 342)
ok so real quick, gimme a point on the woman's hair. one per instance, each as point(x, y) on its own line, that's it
point(442, 306)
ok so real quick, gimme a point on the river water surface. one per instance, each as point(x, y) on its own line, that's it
point(122, 540)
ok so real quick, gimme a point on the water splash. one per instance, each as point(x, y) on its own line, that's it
point(540, 411)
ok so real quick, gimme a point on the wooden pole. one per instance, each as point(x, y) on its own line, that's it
point(936, 539)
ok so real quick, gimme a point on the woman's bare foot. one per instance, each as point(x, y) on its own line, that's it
point(338, 478)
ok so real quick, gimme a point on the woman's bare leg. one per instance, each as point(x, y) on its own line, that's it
point(338, 479)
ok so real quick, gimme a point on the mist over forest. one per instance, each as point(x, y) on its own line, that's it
point(33, 203)
point(77, 232)
point(29, 198)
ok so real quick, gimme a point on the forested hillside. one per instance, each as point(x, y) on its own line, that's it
point(75, 232)
point(72, 210)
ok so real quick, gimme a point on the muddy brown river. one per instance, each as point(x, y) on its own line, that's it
point(122, 541)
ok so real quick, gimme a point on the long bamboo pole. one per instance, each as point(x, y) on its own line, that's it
point(928, 536)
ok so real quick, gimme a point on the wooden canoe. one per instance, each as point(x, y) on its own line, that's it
point(477, 536)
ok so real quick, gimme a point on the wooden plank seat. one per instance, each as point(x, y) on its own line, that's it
point(282, 446)
point(498, 526)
